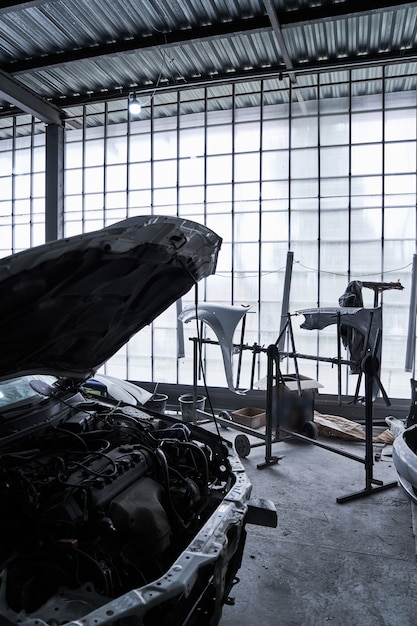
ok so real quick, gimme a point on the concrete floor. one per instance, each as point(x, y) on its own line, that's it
point(351, 564)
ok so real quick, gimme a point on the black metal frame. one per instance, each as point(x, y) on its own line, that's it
point(275, 401)
point(370, 366)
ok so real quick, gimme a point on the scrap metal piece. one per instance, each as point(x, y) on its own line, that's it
point(380, 287)
point(223, 320)
point(352, 339)
point(262, 512)
point(368, 322)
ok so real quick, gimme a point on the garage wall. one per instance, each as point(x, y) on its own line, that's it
point(268, 168)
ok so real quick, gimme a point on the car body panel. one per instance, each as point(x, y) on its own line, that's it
point(69, 305)
point(223, 320)
point(121, 390)
point(365, 321)
point(405, 460)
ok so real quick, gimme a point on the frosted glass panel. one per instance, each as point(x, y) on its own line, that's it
point(366, 224)
point(140, 176)
point(93, 180)
point(246, 167)
point(116, 150)
point(400, 157)
point(367, 127)
point(219, 139)
point(73, 155)
point(275, 134)
point(334, 226)
point(367, 159)
point(219, 169)
point(73, 181)
point(333, 258)
point(94, 152)
point(247, 137)
point(399, 223)
point(140, 147)
point(22, 161)
point(400, 124)
point(165, 173)
point(304, 225)
point(334, 130)
point(165, 145)
point(304, 132)
point(191, 171)
point(334, 187)
point(192, 142)
point(246, 227)
point(304, 163)
point(334, 162)
point(274, 257)
point(116, 177)
point(246, 257)
point(275, 165)
point(400, 184)
point(366, 260)
point(274, 226)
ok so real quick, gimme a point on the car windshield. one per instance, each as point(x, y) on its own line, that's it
point(17, 389)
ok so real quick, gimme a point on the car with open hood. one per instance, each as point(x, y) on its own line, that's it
point(111, 513)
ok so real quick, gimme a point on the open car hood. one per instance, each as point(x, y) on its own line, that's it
point(66, 307)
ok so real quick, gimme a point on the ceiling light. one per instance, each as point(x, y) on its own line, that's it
point(134, 104)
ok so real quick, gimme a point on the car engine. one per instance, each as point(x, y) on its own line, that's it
point(98, 501)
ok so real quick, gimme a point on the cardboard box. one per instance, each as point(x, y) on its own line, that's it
point(294, 410)
point(249, 416)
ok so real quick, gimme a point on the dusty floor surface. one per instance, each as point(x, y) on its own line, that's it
point(351, 564)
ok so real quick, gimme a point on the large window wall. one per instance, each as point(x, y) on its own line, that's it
point(22, 184)
point(271, 169)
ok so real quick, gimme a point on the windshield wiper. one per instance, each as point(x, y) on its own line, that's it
point(23, 407)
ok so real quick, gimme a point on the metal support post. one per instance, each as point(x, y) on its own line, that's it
point(272, 392)
point(370, 366)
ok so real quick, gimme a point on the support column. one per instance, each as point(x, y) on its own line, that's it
point(54, 182)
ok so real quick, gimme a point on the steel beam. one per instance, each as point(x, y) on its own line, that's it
point(25, 99)
point(278, 71)
point(335, 10)
point(276, 27)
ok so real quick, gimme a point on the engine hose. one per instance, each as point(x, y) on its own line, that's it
point(204, 470)
point(165, 470)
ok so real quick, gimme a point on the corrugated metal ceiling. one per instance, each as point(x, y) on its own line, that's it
point(77, 51)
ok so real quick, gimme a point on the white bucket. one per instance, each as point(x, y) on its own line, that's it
point(189, 405)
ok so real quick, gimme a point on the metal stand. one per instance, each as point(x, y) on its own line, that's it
point(275, 412)
point(273, 376)
point(370, 367)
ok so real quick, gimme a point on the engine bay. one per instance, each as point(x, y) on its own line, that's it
point(98, 500)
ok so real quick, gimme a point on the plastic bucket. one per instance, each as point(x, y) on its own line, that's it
point(157, 402)
point(189, 404)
